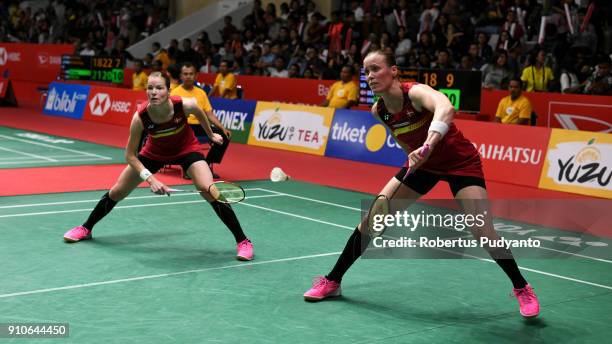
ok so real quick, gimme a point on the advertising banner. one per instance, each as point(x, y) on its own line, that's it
point(291, 127)
point(32, 62)
point(235, 115)
point(510, 153)
point(112, 105)
point(578, 162)
point(356, 135)
point(66, 100)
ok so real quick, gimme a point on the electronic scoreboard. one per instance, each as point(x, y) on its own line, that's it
point(462, 87)
point(92, 68)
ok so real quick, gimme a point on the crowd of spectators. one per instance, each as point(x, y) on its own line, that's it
point(502, 38)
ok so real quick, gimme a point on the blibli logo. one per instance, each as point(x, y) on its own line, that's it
point(374, 138)
point(64, 102)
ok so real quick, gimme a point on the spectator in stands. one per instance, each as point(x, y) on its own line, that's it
point(513, 27)
point(485, 52)
point(294, 71)
point(569, 78)
point(344, 93)
point(147, 61)
point(537, 76)
point(473, 52)
point(444, 60)
point(404, 44)
point(160, 54)
point(467, 63)
point(174, 72)
point(208, 66)
point(506, 42)
point(228, 28)
point(600, 82)
point(496, 74)
point(188, 54)
point(139, 78)
point(279, 70)
point(515, 108)
point(225, 85)
point(87, 50)
point(188, 89)
point(157, 66)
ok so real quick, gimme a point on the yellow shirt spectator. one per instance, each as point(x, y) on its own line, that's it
point(200, 97)
point(139, 81)
point(164, 58)
point(510, 111)
point(341, 93)
point(227, 82)
point(537, 79)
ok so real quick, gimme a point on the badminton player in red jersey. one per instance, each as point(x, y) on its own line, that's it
point(419, 116)
point(171, 141)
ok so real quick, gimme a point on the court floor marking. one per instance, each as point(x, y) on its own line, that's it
point(169, 274)
point(146, 277)
point(53, 156)
point(96, 200)
point(56, 147)
point(40, 157)
point(22, 162)
point(358, 209)
point(120, 207)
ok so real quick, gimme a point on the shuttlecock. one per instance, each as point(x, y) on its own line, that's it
point(278, 175)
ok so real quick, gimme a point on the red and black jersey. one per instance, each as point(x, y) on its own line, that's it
point(454, 154)
point(169, 140)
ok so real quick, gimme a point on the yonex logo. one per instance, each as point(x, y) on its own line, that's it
point(99, 104)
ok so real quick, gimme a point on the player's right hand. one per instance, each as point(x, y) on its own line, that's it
point(158, 187)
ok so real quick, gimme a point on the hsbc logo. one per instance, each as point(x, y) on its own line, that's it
point(101, 103)
point(6, 56)
point(579, 122)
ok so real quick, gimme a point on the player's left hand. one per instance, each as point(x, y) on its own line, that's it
point(227, 133)
point(216, 138)
point(418, 157)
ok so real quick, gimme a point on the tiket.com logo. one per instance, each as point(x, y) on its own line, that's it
point(6, 56)
point(374, 138)
point(99, 104)
point(589, 166)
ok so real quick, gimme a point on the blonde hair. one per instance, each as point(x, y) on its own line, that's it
point(160, 75)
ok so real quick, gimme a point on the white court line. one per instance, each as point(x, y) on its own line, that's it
point(42, 162)
point(28, 154)
point(56, 147)
point(140, 278)
point(96, 200)
point(49, 156)
point(120, 207)
point(357, 209)
point(295, 215)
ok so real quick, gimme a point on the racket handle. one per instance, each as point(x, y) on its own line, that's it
point(422, 153)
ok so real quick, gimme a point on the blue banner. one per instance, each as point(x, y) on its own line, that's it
point(235, 115)
point(66, 100)
point(357, 135)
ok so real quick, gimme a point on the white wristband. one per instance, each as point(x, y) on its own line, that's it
point(439, 127)
point(145, 174)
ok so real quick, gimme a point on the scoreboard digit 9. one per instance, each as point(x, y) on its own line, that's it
point(93, 68)
point(462, 87)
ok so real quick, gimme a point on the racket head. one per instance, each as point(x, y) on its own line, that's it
point(227, 192)
point(378, 209)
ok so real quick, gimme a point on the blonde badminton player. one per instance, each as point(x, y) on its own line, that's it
point(171, 141)
point(421, 120)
